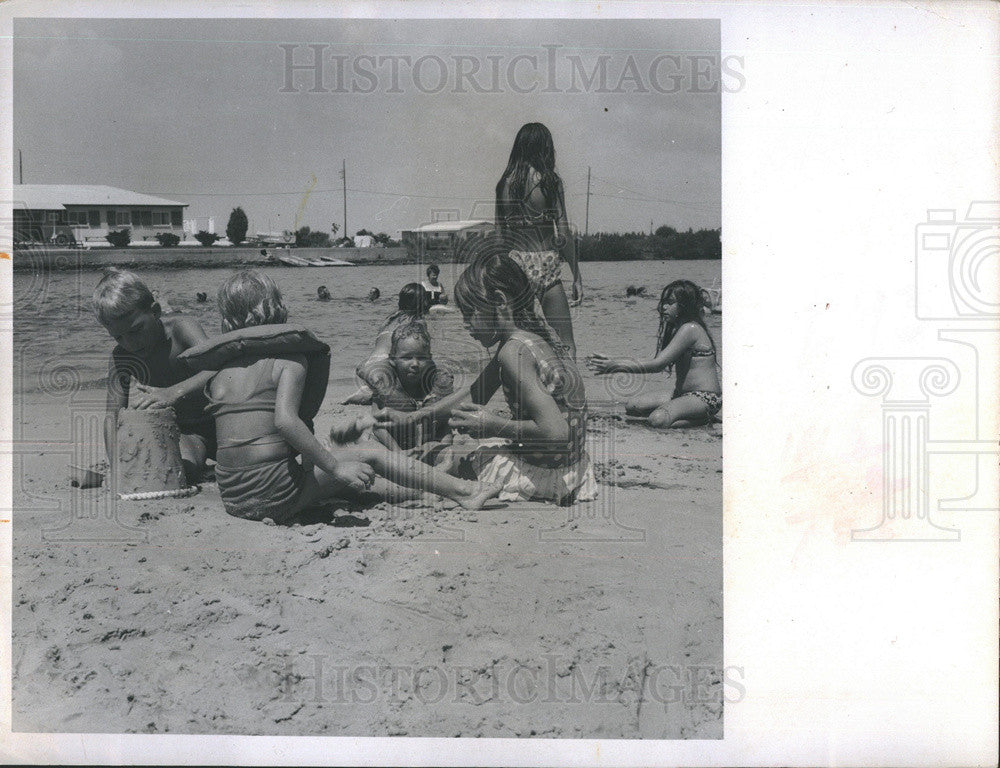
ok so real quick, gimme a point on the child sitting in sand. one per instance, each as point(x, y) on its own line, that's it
point(539, 452)
point(413, 305)
point(145, 371)
point(682, 340)
point(412, 381)
point(255, 402)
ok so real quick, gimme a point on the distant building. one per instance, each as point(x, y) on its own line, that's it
point(65, 214)
point(441, 237)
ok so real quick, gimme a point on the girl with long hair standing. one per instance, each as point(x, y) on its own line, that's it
point(531, 216)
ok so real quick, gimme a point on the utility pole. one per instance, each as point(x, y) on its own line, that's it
point(343, 175)
point(586, 221)
point(20, 168)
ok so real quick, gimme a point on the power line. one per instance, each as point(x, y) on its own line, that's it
point(331, 190)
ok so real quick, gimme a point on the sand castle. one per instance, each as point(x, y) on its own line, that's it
point(149, 454)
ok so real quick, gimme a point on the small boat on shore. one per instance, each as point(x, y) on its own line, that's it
point(293, 261)
point(329, 261)
point(322, 261)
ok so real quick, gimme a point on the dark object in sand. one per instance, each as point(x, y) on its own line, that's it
point(322, 293)
point(83, 477)
point(633, 290)
point(202, 297)
point(374, 294)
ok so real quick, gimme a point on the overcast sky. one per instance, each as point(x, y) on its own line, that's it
point(195, 111)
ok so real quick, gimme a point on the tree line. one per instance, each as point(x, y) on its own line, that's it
point(664, 244)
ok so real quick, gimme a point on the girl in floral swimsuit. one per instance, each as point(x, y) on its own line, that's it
point(538, 452)
point(684, 341)
point(531, 215)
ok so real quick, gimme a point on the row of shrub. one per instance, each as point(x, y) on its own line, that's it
point(122, 237)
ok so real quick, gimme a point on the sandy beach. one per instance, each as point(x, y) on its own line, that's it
point(530, 620)
point(599, 620)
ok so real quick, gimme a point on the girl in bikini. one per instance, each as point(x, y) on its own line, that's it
point(682, 341)
point(531, 216)
point(270, 464)
point(539, 451)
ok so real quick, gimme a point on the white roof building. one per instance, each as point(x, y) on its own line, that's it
point(54, 197)
point(452, 226)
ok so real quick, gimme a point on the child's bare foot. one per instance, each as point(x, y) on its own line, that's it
point(479, 494)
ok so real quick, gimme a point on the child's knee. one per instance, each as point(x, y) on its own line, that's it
point(661, 417)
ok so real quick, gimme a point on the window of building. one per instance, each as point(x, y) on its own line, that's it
point(122, 218)
point(175, 218)
point(161, 218)
point(94, 218)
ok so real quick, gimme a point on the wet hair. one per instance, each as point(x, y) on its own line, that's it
point(492, 271)
point(533, 150)
point(415, 329)
point(250, 298)
point(414, 301)
point(433, 268)
point(119, 293)
point(691, 303)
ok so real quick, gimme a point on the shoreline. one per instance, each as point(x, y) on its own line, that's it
point(223, 257)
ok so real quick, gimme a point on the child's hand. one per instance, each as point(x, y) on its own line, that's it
point(144, 396)
point(600, 364)
point(576, 294)
point(344, 431)
point(473, 420)
point(355, 475)
point(387, 418)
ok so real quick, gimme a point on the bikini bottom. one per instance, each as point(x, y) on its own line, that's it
point(543, 268)
point(267, 489)
point(712, 400)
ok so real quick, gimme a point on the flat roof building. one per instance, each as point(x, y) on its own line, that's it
point(67, 214)
point(430, 240)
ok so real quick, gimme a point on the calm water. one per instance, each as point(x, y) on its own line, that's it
point(55, 334)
